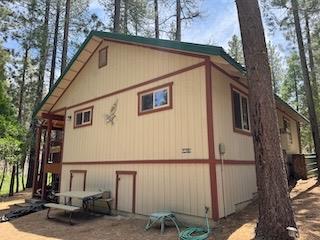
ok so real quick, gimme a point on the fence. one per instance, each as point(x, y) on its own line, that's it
point(311, 164)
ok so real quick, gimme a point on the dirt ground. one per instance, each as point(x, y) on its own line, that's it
point(239, 226)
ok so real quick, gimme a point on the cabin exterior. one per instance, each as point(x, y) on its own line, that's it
point(161, 124)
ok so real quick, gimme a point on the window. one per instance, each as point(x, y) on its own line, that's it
point(287, 128)
point(155, 99)
point(240, 106)
point(83, 117)
point(103, 57)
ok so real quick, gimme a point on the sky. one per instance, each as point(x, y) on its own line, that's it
point(218, 23)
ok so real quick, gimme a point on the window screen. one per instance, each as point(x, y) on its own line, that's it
point(103, 57)
point(237, 110)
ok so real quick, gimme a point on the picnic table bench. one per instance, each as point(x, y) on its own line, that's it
point(66, 208)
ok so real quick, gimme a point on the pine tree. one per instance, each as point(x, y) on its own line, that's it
point(275, 211)
point(235, 49)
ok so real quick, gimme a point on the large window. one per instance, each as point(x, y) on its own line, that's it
point(240, 106)
point(287, 128)
point(83, 117)
point(155, 99)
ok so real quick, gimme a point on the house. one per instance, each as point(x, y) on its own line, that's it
point(161, 124)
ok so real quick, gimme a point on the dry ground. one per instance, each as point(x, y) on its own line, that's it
point(240, 226)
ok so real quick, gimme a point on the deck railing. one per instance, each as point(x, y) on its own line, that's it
point(311, 164)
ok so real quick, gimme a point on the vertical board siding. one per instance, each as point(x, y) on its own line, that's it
point(159, 135)
point(182, 188)
point(127, 66)
point(239, 185)
point(291, 148)
point(237, 145)
point(239, 180)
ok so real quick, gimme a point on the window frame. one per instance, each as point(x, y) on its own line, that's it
point(83, 110)
point(106, 63)
point(168, 106)
point(242, 94)
point(287, 130)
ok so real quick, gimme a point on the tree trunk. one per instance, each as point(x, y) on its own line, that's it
point(125, 18)
point(156, 19)
point(315, 86)
point(42, 68)
point(23, 80)
point(296, 89)
point(17, 177)
point(275, 211)
point(13, 173)
point(178, 21)
point(65, 36)
point(116, 17)
point(307, 85)
point(55, 45)
point(4, 172)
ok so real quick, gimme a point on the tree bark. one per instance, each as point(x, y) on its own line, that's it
point(116, 17)
point(311, 63)
point(17, 177)
point(4, 172)
point(275, 211)
point(22, 85)
point(307, 85)
point(65, 36)
point(13, 172)
point(178, 21)
point(156, 18)
point(55, 45)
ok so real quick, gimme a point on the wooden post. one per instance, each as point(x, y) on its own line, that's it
point(36, 159)
point(46, 157)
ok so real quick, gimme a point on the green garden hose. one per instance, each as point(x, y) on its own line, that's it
point(196, 233)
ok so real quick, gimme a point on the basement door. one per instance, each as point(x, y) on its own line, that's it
point(125, 191)
point(77, 183)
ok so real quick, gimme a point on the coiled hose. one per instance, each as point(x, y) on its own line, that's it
point(196, 233)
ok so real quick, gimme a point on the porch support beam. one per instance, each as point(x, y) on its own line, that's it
point(46, 157)
point(36, 158)
point(50, 116)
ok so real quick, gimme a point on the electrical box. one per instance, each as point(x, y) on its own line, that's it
point(222, 148)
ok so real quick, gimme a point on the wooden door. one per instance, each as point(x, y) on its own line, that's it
point(125, 191)
point(77, 183)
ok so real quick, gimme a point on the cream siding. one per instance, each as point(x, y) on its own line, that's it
point(237, 146)
point(159, 135)
point(127, 66)
point(291, 147)
point(182, 188)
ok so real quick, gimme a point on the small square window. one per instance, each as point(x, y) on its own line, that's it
point(83, 117)
point(103, 57)
point(155, 99)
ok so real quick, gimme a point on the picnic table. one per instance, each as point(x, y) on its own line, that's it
point(86, 197)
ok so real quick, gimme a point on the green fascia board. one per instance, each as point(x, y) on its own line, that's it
point(180, 46)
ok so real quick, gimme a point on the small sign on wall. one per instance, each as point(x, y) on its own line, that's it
point(186, 150)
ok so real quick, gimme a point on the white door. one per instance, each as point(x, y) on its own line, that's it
point(125, 192)
point(77, 181)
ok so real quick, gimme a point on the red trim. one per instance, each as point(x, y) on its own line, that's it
point(133, 173)
point(52, 116)
point(163, 161)
point(212, 162)
point(237, 130)
point(156, 161)
point(84, 179)
point(236, 162)
point(158, 48)
point(65, 89)
point(137, 85)
point(169, 106)
point(83, 110)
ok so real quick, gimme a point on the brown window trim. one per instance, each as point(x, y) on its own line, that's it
point(82, 110)
point(167, 85)
point(237, 130)
point(102, 49)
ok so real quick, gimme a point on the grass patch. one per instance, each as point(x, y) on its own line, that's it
point(6, 185)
